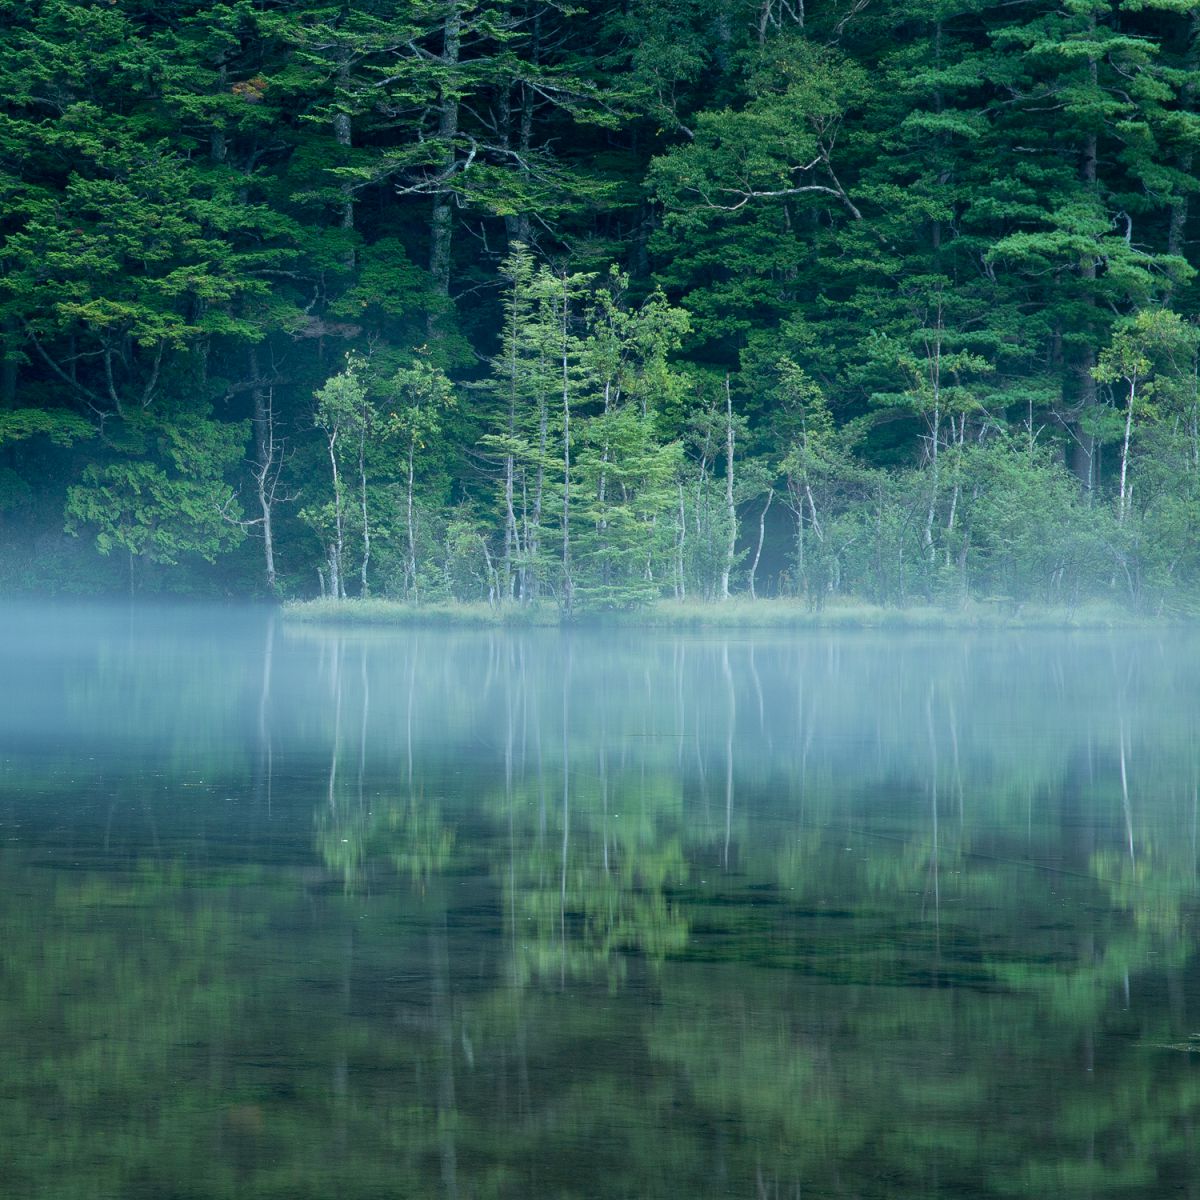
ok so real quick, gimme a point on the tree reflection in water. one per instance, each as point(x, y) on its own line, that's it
point(298, 914)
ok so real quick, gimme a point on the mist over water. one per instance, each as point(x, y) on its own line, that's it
point(289, 912)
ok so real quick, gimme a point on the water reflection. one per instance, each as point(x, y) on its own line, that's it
point(291, 913)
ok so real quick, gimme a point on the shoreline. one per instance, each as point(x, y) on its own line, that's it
point(774, 614)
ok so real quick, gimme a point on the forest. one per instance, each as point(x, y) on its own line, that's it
point(585, 305)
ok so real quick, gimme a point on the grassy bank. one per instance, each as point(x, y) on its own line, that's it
point(732, 614)
point(397, 612)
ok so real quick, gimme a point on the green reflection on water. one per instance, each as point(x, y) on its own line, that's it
point(495, 915)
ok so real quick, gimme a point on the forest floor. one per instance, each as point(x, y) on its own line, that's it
point(737, 613)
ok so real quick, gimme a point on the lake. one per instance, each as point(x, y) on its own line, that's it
point(292, 912)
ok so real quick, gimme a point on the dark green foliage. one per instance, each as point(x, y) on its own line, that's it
point(907, 259)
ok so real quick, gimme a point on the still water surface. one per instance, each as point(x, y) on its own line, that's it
point(295, 913)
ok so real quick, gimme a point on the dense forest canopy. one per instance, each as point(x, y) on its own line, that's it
point(593, 303)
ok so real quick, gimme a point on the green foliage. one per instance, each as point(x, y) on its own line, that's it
point(62, 427)
point(170, 504)
point(915, 238)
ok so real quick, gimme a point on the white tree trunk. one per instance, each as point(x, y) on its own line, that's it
point(762, 529)
point(412, 538)
point(1123, 502)
point(730, 507)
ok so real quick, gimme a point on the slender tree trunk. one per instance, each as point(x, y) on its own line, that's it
point(935, 438)
point(412, 536)
point(959, 438)
point(568, 582)
point(812, 512)
point(700, 480)
point(510, 522)
point(1123, 494)
point(730, 507)
point(269, 548)
point(762, 529)
point(337, 583)
point(517, 225)
point(1083, 457)
point(336, 589)
point(680, 581)
point(801, 576)
point(514, 322)
point(362, 492)
point(442, 218)
point(533, 539)
point(523, 539)
point(603, 490)
point(266, 465)
point(526, 141)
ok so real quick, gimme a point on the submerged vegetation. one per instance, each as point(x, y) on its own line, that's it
point(585, 308)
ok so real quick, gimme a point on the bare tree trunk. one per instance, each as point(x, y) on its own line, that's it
point(812, 512)
point(1123, 494)
point(959, 439)
point(523, 540)
point(510, 522)
point(362, 492)
point(533, 536)
point(730, 507)
point(680, 582)
point(512, 339)
point(412, 538)
point(603, 490)
point(337, 585)
point(268, 460)
point(935, 379)
point(337, 590)
point(762, 528)
point(798, 510)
